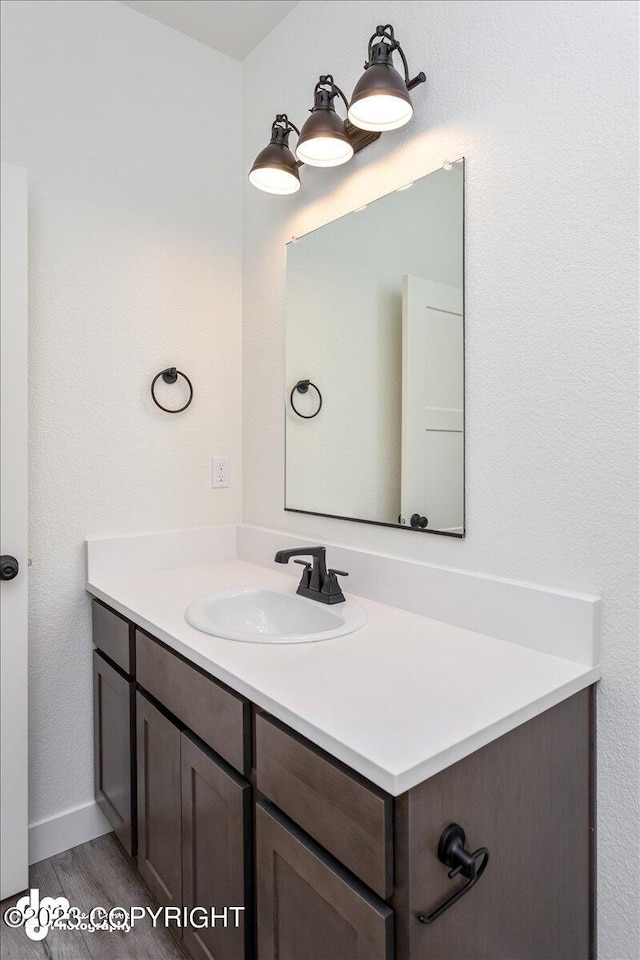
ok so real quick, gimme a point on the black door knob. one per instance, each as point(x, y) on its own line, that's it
point(9, 567)
point(418, 521)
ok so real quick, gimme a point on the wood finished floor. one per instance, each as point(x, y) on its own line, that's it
point(95, 874)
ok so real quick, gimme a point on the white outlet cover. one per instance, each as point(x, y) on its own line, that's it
point(220, 472)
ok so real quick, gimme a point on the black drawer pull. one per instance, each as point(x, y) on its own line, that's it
point(452, 853)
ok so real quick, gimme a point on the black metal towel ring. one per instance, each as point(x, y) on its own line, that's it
point(302, 386)
point(170, 375)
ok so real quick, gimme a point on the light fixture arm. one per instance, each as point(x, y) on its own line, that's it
point(326, 80)
point(282, 127)
point(384, 32)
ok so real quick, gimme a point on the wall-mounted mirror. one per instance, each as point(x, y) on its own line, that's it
point(375, 361)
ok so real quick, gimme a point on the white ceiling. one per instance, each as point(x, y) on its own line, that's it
point(233, 27)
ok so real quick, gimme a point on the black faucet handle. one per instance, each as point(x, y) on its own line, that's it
point(305, 580)
point(331, 587)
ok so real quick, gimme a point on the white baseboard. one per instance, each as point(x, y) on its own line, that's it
point(66, 830)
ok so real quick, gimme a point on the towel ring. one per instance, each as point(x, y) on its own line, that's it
point(302, 386)
point(170, 375)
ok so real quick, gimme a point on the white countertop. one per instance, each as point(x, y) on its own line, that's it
point(398, 701)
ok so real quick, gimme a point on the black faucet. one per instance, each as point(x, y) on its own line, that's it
point(317, 582)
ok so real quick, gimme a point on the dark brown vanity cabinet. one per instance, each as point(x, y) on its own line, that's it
point(234, 809)
point(527, 797)
point(158, 781)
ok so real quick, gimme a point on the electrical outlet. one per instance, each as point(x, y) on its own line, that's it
point(220, 472)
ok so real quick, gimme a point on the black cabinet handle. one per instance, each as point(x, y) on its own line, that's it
point(418, 521)
point(452, 853)
point(9, 567)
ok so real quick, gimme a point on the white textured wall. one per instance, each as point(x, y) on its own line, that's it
point(541, 98)
point(135, 262)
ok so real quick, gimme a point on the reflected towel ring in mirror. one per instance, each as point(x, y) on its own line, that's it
point(302, 386)
point(170, 375)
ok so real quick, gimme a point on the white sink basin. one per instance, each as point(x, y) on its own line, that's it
point(256, 615)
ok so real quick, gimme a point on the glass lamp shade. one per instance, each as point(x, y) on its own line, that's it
point(275, 170)
point(323, 141)
point(380, 99)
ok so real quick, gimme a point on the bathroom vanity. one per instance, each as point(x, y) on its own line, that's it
point(320, 808)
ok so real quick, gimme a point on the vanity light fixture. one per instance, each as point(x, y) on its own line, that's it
point(381, 98)
point(275, 169)
point(323, 140)
point(380, 102)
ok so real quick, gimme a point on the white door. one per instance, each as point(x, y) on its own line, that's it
point(13, 500)
point(432, 472)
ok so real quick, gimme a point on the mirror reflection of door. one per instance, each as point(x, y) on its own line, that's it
point(432, 473)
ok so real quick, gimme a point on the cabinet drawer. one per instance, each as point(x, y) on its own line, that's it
point(308, 905)
point(351, 819)
point(215, 714)
point(114, 750)
point(114, 636)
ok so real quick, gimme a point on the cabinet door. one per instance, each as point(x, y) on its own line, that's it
point(216, 806)
point(159, 819)
point(309, 907)
point(114, 750)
